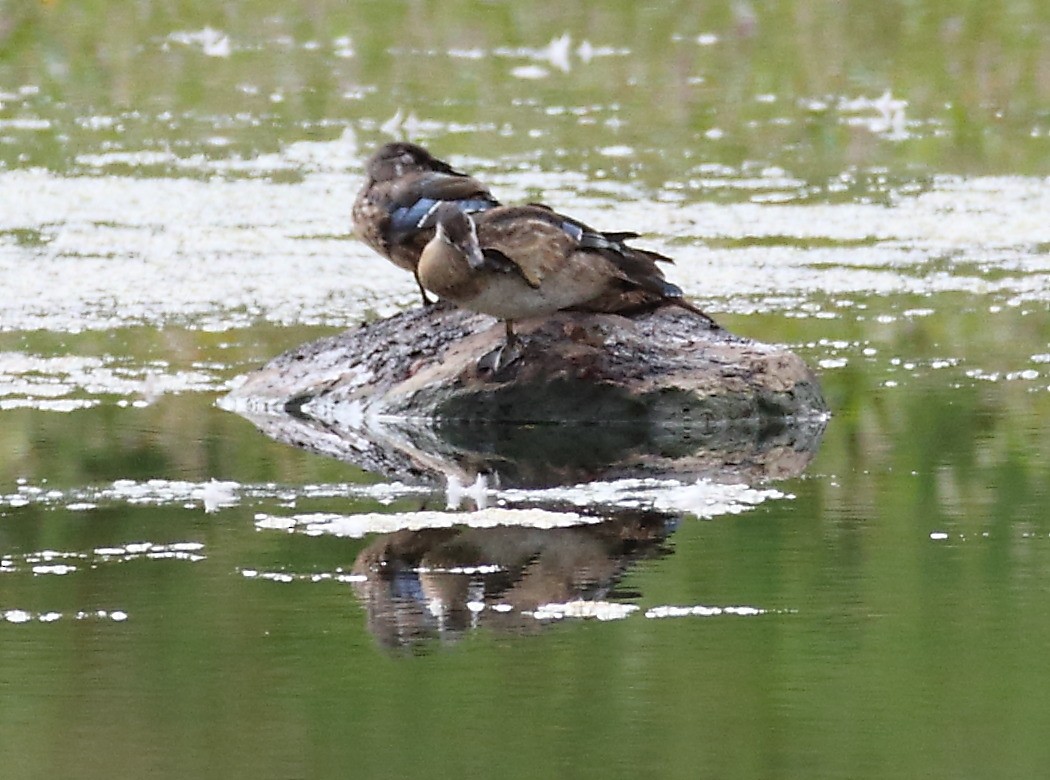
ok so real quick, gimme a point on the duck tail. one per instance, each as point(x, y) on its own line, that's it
point(682, 303)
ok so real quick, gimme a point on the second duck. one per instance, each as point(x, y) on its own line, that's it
point(516, 262)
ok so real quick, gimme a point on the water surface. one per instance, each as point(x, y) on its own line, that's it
point(182, 596)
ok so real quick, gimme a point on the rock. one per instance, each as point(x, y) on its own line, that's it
point(591, 394)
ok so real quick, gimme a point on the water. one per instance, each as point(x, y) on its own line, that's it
point(181, 595)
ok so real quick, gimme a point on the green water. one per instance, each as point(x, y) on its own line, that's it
point(175, 183)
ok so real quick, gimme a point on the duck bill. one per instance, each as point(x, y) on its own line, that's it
point(475, 257)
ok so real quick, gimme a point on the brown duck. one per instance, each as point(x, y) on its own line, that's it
point(394, 212)
point(516, 262)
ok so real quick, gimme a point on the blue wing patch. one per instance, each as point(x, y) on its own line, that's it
point(406, 220)
point(574, 231)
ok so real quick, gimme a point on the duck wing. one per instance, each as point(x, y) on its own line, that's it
point(413, 201)
point(612, 240)
point(530, 239)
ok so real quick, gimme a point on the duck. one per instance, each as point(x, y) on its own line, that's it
point(519, 262)
point(394, 212)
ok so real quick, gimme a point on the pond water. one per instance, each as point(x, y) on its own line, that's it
point(183, 596)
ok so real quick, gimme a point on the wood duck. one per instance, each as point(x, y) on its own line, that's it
point(394, 212)
point(515, 262)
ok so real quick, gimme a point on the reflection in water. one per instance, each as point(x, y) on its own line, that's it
point(442, 582)
point(541, 456)
point(561, 512)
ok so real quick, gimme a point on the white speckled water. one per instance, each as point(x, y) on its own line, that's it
point(182, 596)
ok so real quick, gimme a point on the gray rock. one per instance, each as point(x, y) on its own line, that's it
point(592, 395)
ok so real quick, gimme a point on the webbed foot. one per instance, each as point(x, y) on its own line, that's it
point(494, 361)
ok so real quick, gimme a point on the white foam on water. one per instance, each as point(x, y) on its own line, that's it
point(216, 495)
point(24, 616)
point(70, 405)
point(112, 246)
point(703, 498)
point(59, 569)
point(529, 72)
point(67, 562)
point(285, 577)
point(212, 496)
point(211, 42)
point(359, 525)
point(599, 610)
point(830, 363)
point(25, 123)
point(700, 610)
point(44, 383)
point(468, 570)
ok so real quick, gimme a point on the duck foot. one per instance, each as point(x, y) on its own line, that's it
point(496, 360)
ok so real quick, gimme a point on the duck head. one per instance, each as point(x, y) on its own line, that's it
point(394, 160)
point(456, 229)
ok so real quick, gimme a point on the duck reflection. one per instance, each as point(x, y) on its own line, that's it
point(440, 583)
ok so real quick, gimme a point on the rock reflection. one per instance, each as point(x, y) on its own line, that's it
point(440, 583)
point(541, 456)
